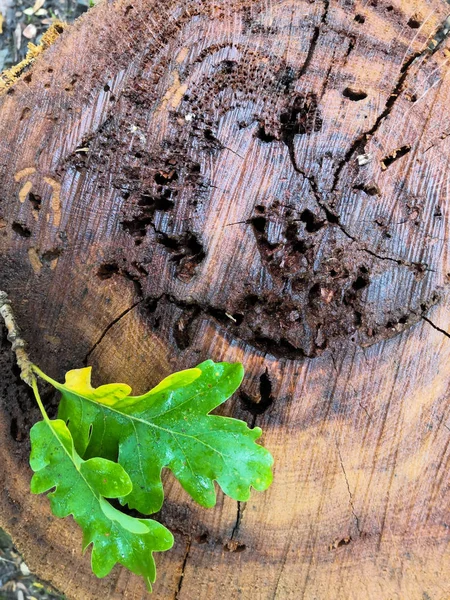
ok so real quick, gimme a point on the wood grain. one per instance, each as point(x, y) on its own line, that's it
point(255, 181)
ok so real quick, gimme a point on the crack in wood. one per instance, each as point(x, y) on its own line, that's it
point(334, 219)
point(196, 310)
point(105, 331)
point(352, 506)
point(183, 569)
point(232, 545)
point(314, 39)
point(441, 34)
point(430, 322)
point(265, 401)
point(389, 105)
point(240, 510)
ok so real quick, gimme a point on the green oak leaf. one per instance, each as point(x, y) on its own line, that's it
point(168, 427)
point(80, 488)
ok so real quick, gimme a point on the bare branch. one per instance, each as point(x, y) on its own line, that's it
point(17, 342)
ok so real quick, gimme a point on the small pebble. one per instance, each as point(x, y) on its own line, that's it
point(30, 31)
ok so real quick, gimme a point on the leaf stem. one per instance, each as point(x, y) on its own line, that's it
point(38, 399)
point(43, 376)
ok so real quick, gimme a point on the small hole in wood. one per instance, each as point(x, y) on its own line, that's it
point(312, 223)
point(360, 283)
point(35, 201)
point(414, 23)
point(259, 223)
point(233, 546)
point(14, 430)
point(353, 94)
point(391, 158)
point(107, 270)
point(202, 539)
point(21, 230)
point(265, 137)
point(25, 113)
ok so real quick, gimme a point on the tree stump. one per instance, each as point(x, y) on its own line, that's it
point(258, 181)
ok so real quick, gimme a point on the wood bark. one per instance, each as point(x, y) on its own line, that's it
point(258, 181)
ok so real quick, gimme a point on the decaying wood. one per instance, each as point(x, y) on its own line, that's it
point(255, 181)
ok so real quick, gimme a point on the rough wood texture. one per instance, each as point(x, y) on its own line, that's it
point(180, 180)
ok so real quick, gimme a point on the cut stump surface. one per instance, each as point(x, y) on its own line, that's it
point(258, 181)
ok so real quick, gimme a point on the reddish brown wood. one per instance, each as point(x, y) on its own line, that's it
point(184, 180)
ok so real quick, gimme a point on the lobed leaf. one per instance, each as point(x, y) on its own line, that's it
point(168, 427)
point(80, 488)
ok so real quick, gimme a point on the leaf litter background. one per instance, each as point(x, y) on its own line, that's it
point(23, 21)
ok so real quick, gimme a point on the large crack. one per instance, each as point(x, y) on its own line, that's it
point(361, 140)
point(334, 219)
point(265, 401)
point(197, 309)
point(442, 32)
point(289, 139)
point(193, 310)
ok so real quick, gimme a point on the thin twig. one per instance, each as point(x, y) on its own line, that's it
point(17, 342)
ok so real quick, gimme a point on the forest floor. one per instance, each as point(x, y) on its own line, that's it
point(16, 581)
point(21, 22)
point(24, 21)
